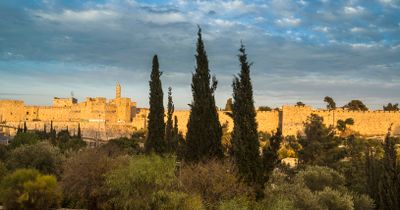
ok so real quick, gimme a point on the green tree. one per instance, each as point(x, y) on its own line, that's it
point(391, 107)
point(300, 104)
point(203, 138)
point(42, 156)
point(320, 145)
point(245, 144)
point(389, 187)
point(264, 108)
point(330, 103)
point(156, 127)
point(169, 129)
point(270, 154)
point(29, 189)
point(356, 105)
point(342, 124)
point(79, 135)
point(25, 127)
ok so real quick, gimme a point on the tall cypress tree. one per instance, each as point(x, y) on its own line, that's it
point(245, 144)
point(79, 131)
point(169, 130)
point(203, 138)
point(156, 126)
point(389, 187)
point(25, 128)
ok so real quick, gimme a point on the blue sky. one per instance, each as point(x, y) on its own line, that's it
point(301, 50)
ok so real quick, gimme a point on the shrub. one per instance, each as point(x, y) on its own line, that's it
point(175, 200)
point(28, 189)
point(214, 181)
point(121, 146)
point(23, 139)
point(363, 202)
point(42, 156)
point(335, 200)
point(138, 184)
point(316, 178)
point(239, 203)
point(83, 179)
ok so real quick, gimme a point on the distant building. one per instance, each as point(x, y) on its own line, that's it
point(104, 119)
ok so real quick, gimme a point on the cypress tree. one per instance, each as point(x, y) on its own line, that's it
point(44, 129)
point(169, 132)
point(389, 187)
point(245, 144)
point(25, 128)
point(156, 126)
point(203, 138)
point(79, 131)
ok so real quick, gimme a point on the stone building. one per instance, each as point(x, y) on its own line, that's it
point(104, 119)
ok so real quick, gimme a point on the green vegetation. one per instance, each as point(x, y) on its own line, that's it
point(391, 107)
point(29, 189)
point(203, 138)
point(356, 105)
point(245, 144)
point(264, 108)
point(156, 128)
point(210, 169)
point(330, 103)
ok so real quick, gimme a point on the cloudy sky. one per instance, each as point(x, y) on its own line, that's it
point(301, 50)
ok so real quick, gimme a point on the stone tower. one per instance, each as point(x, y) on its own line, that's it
point(118, 91)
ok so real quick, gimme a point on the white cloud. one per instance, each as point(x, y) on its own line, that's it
point(288, 21)
point(162, 18)
point(363, 45)
point(356, 29)
point(321, 28)
point(78, 16)
point(353, 10)
point(222, 23)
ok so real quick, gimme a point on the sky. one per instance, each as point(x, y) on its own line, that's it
point(301, 50)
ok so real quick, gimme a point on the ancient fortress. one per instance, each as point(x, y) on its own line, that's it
point(104, 119)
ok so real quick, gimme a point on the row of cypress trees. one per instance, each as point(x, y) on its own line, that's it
point(203, 138)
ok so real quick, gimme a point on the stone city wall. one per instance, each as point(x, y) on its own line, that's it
point(105, 120)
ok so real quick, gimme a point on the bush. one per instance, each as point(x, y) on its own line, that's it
point(175, 200)
point(121, 146)
point(316, 178)
point(281, 192)
point(3, 152)
point(363, 202)
point(28, 189)
point(240, 203)
point(41, 156)
point(335, 200)
point(73, 144)
point(83, 179)
point(24, 139)
point(3, 170)
point(138, 184)
point(214, 181)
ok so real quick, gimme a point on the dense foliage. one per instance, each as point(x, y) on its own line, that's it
point(156, 128)
point(245, 144)
point(203, 138)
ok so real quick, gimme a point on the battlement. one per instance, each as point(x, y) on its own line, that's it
point(124, 113)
